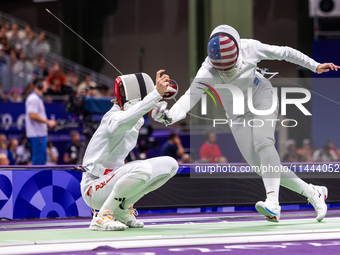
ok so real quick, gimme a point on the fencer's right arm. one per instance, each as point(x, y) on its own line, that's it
point(121, 121)
point(179, 110)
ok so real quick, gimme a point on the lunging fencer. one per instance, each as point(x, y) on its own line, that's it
point(233, 61)
point(108, 184)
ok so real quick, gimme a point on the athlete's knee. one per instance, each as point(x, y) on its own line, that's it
point(171, 164)
point(142, 170)
point(263, 142)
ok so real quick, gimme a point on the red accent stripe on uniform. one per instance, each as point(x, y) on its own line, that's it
point(107, 171)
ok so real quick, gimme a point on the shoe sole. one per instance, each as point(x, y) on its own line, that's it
point(118, 218)
point(134, 226)
point(269, 216)
point(96, 228)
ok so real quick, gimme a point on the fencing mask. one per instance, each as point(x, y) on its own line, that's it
point(136, 87)
point(224, 49)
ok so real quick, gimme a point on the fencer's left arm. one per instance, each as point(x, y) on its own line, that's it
point(122, 121)
point(272, 52)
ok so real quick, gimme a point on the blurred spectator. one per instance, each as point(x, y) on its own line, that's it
point(86, 84)
point(4, 44)
point(36, 61)
point(111, 93)
point(48, 99)
point(3, 144)
point(11, 151)
point(104, 91)
point(13, 36)
point(52, 154)
point(41, 71)
point(173, 148)
point(14, 29)
point(74, 83)
point(28, 46)
point(92, 92)
point(28, 31)
point(5, 96)
point(210, 151)
point(291, 155)
point(70, 75)
point(41, 45)
point(333, 148)
point(56, 80)
point(72, 149)
point(3, 160)
point(3, 33)
point(23, 152)
point(306, 151)
point(37, 123)
point(324, 155)
point(15, 95)
point(13, 57)
point(23, 69)
point(7, 27)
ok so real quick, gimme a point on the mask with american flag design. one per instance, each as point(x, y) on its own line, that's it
point(224, 48)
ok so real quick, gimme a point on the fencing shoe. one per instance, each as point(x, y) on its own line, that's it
point(106, 222)
point(318, 201)
point(270, 209)
point(128, 218)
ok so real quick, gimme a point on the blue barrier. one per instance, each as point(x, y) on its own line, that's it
point(41, 194)
point(54, 191)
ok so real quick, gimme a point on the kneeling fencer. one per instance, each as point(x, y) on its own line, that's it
point(232, 62)
point(108, 184)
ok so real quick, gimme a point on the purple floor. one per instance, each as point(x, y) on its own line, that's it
point(291, 248)
point(280, 248)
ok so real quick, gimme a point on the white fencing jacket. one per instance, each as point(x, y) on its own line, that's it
point(252, 52)
point(117, 136)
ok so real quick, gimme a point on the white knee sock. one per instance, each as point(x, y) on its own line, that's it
point(125, 187)
point(271, 179)
point(291, 181)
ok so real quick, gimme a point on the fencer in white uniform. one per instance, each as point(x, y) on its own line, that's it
point(108, 184)
point(233, 61)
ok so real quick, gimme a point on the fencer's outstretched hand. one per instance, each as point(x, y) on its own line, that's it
point(162, 82)
point(322, 68)
point(161, 114)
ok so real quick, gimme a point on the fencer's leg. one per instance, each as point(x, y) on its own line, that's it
point(244, 137)
point(291, 181)
point(128, 185)
point(270, 161)
point(163, 168)
point(264, 145)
